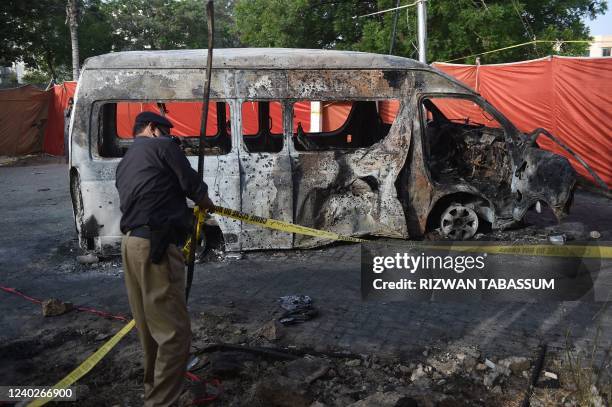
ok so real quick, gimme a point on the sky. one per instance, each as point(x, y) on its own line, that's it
point(602, 25)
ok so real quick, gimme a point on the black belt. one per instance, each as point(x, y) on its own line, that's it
point(141, 231)
point(145, 233)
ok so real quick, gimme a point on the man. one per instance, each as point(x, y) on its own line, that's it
point(153, 179)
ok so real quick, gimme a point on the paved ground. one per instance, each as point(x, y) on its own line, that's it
point(38, 247)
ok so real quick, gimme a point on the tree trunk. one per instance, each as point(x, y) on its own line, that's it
point(72, 13)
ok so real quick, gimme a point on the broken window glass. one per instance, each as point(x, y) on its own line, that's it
point(463, 141)
point(341, 125)
point(117, 126)
point(262, 126)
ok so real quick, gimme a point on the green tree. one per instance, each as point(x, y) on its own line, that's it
point(456, 28)
point(300, 23)
point(168, 24)
point(37, 33)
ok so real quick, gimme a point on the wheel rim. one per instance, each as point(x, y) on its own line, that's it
point(459, 222)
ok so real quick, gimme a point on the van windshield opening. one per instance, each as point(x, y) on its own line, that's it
point(464, 141)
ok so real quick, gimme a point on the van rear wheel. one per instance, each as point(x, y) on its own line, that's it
point(458, 222)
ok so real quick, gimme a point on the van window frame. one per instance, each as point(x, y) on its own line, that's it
point(95, 126)
point(244, 150)
point(292, 101)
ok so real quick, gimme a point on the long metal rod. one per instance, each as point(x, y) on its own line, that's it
point(203, 124)
point(387, 10)
point(422, 18)
point(395, 16)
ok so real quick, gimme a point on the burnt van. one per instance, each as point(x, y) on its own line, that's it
point(355, 143)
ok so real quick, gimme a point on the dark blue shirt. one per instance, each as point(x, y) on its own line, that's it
point(153, 179)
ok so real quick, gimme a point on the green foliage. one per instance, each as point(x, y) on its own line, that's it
point(167, 24)
point(456, 28)
point(36, 31)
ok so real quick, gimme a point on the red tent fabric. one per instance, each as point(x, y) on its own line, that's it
point(570, 97)
point(54, 132)
point(23, 113)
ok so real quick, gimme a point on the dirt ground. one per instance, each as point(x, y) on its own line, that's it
point(352, 353)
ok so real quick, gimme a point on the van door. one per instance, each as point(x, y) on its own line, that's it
point(265, 172)
point(346, 157)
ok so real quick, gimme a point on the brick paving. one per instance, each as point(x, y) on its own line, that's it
point(35, 257)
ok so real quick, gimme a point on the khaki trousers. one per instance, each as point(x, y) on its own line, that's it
point(157, 298)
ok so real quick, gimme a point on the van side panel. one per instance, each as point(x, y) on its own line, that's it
point(352, 192)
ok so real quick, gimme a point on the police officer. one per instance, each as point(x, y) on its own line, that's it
point(153, 179)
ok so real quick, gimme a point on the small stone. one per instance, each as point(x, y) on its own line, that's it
point(307, 369)
point(558, 240)
point(516, 364)
point(404, 369)
point(53, 307)
point(101, 337)
point(551, 375)
point(496, 390)
point(379, 399)
point(490, 378)
point(490, 364)
point(417, 373)
point(88, 258)
point(353, 362)
point(271, 331)
point(481, 366)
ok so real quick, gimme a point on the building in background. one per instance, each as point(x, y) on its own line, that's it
point(12, 75)
point(601, 46)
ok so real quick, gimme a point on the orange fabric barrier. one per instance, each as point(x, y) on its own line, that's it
point(23, 114)
point(54, 132)
point(185, 117)
point(570, 97)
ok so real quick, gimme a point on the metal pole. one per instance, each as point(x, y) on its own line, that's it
point(422, 35)
point(210, 9)
point(397, 3)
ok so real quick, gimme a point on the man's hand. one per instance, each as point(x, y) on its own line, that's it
point(206, 203)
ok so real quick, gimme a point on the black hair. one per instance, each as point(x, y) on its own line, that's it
point(139, 127)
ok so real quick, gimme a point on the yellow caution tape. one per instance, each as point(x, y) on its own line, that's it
point(527, 250)
point(282, 226)
point(201, 217)
point(581, 251)
point(87, 365)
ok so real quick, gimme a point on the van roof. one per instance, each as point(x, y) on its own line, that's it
point(252, 58)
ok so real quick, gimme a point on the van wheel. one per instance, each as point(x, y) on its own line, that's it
point(458, 222)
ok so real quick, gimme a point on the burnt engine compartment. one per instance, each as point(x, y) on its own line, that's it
point(468, 153)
